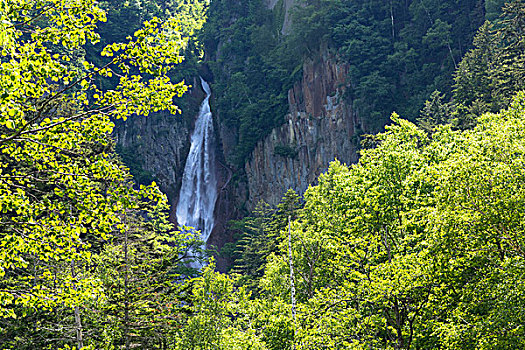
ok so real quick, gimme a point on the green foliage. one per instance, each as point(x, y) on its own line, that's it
point(64, 195)
point(492, 72)
point(435, 112)
point(138, 292)
point(493, 8)
point(259, 238)
point(141, 280)
point(252, 70)
point(219, 314)
point(130, 157)
point(287, 151)
point(399, 52)
point(59, 176)
point(418, 246)
point(125, 18)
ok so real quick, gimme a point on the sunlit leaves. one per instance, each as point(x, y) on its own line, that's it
point(62, 188)
point(420, 245)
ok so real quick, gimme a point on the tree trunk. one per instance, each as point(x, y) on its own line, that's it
point(78, 321)
point(292, 284)
point(126, 287)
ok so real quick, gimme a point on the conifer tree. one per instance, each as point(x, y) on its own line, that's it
point(262, 234)
point(493, 71)
point(63, 191)
point(435, 112)
point(141, 278)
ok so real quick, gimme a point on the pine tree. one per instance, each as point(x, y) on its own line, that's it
point(262, 234)
point(509, 75)
point(491, 73)
point(141, 278)
point(436, 112)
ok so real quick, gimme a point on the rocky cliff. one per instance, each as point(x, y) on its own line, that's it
point(286, 6)
point(156, 147)
point(320, 127)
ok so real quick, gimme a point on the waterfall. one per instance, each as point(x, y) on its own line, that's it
point(199, 184)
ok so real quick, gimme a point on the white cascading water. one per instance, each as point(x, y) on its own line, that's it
point(199, 185)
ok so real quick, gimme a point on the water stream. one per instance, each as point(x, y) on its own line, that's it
point(198, 192)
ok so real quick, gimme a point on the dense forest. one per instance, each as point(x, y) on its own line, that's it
point(420, 245)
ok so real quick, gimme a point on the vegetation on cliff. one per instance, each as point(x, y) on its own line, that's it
point(399, 52)
point(419, 245)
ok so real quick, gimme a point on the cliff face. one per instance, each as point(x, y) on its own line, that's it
point(320, 127)
point(156, 147)
point(159, 144)
point(287, 6)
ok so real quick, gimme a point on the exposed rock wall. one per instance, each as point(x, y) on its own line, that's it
point(287, 6)
point(287, 25)
point(320, 127)
point(158, 145)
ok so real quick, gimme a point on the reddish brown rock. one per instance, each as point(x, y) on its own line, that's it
point(320, 127)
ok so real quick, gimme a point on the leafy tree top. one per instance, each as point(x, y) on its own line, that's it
point(61, 186)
